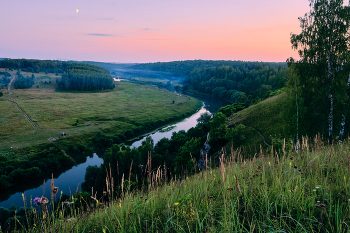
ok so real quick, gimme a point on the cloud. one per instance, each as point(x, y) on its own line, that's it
point(104, 18)
point(97, 34)
point(148, 29)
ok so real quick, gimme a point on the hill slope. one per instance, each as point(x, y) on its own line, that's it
point(298, 192)
point(262, 120)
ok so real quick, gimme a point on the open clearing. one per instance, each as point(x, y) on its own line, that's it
point(54, 112)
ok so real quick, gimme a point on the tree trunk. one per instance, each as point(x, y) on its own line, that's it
point(296, 103)
point(330, 97)
point(342, 125)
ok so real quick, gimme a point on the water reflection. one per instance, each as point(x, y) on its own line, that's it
point(67, 182)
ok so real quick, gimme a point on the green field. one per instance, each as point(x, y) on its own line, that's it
point(115, 111)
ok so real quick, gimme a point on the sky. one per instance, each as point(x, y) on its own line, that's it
point(135, 31)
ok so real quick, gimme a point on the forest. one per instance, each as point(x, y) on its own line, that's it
point(75, 75)
point(81, 77)
point(235, 81)
point(184, 68)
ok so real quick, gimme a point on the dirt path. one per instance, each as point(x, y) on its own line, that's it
point(35, 126)
point(262, 137)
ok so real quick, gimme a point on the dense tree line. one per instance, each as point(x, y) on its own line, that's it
point(236, 81)
point(184, 68)
point(81, 77)
point(34, 66)
point(22, 82)
point(243, 84)
point(15, 171)
point(75, 75)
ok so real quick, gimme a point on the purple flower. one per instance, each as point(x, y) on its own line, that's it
point(37, 201)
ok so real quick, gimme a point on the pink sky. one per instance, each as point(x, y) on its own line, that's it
point(150, 30)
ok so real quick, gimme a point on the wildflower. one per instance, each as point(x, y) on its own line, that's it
point(317, 187)
point(37, 201)
point(269, 163)
point(314, 190)
point(176, 203)
point(290, 164)
point(104, 231)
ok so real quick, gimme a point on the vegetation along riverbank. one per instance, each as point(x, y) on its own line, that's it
point(89, 119)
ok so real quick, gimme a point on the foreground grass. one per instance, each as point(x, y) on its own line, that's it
point(115, 111)
point(307, 191)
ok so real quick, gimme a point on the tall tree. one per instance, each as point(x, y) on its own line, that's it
point(323, 46)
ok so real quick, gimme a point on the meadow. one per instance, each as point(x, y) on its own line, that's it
point(284, 191)
point(55, 112)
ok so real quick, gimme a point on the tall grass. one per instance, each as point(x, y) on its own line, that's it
point(305, 191)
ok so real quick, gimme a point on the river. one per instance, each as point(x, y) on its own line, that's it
point(68, 181)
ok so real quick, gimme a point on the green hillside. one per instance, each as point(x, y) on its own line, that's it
point(296, 192)
point(262, 120)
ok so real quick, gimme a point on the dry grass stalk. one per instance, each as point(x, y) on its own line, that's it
point(253, 229)
point(76, 191)
point(279, 182)
point(237, 184)
point(349, 163)
point(276, 159)
point(54, 189)
point(222, 167)
point(330, 155)
point(206, 161)
point(123, 184)
point(130, 170)
point(272, 149)
point(284, 147)
point(253, 165)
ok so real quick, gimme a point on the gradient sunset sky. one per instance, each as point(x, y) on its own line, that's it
point(149, 30)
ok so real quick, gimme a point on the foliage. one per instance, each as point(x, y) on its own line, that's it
point(14, 171)
point(22, 83)
point(82, 77)
point(204, 117)
point(323, 70)
point(242, 83)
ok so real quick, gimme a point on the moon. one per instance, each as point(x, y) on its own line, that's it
point(77, 10)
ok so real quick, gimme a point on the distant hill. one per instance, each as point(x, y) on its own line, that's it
point(109, 66)
point(185, 67)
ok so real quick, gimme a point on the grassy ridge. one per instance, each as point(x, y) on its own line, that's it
point(307, 191)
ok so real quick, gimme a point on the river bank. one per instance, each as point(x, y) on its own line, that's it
point(35, 188)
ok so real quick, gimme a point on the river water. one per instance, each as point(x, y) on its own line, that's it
point(70, 181)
